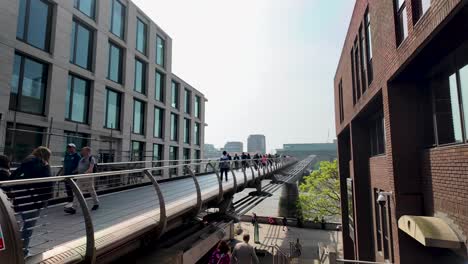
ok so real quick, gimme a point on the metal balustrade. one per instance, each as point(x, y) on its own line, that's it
point(36, 229)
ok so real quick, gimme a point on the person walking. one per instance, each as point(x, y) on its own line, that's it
point(221, 254)
point(264, 160)
point(244, 160)
point(236, 161)
point(70, 166)
point(285, 224)
point(244, 253)
point(254, 219)
point(224, 165)
point(86, 165)
point(30, 199)
point(4, 168)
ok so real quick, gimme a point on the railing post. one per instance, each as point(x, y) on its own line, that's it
point(220, 182)
point(90, 256)
point(162, 205)
point(13, 249)
point(233, 176)
point(245, 177)
point(251, 168)
point(197, 187)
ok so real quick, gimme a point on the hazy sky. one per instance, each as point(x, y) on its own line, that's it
point(266, 66)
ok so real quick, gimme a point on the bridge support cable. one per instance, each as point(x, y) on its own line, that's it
point(13, 252)
point(198, 207)
point(90, 257)
point(162, 205)
point(220, 181)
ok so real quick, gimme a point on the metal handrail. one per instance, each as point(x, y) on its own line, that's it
point(361, 261)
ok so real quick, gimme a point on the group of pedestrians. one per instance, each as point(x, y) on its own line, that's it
point(243, 253)
point(243, 160)
point(30, 199)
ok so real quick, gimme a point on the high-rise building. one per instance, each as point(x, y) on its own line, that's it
point(95, 73)
point(256, 144)
point(234, 147)
point(401, 109)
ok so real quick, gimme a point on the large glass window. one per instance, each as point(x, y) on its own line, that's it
point(187, 101)
point(401, 21)
point(118, 19)
point(197, 106)
point(115, 63)
point(369, 54)
point(377, 135)
point(77, 99)
point(186, 153)
point(173, 155)
point(87, 7)
point(362, 59)
point(28, 85)
point(174, 127)
point(140, 76)
point(160, 50)
point(187, 131)
point(34, 22)
point(138, 151)
point(141, 36)
point(26, 139)
point(350, 207)
point(158, 151)
point(158, 122)
point(463, 73)
point(196, 134)
point(113, 102)
point(340, 100)
point(81, 49)
point(174, 94)
point(159, 87)
point(138, 117)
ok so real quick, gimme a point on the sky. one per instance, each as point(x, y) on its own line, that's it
point(265, 66)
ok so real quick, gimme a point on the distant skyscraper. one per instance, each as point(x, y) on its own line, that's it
point(256, 143)
point(234, 147)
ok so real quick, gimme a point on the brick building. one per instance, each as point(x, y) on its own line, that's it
point(401, 104)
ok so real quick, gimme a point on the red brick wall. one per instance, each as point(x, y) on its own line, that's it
point(445, 183)
point(378, 172)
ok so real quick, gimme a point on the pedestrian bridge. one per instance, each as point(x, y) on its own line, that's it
point(134, 206)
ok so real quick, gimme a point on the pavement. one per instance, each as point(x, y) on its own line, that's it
point(274, 235)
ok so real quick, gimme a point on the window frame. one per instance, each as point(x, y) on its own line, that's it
point(19, 95)
point(120, 66)
point(163, 41)
point(143, 116)
point(141, 151)
point(174, 123)
point(187, 101)
point(401, 28)
point(187, 130)
point(145, 36)
point(375, 122)
point(143, 77)
point(88, 95)
point(197, 133)
point(162, 88)
point(76, 5)
point(26, 25)
point(175, 86)
point(161, 127)
point(197, 107)
point(369, 52)
point(340, 100)
point(76, 23)
point(119, 103)
point(124, 18)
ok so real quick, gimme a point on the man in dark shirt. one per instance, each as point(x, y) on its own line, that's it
point(70, 165)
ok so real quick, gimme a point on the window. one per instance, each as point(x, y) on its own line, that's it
point(197, 106)
point(362, 59)
point(175, 94)
point(187, 128)
point(79, 139)
point(197, 159)
point(113, 103)
point(138, 117)
point(450, 96)
point(187, 100)
point(81, 49)
point(138, 151)
point(353, 77)
point(77, 99)
point(87, 7)
point(173, 155)
point(196, 134)
point(26, 139)
point(158, 122)
point(141, 36)
point(401, 21)
point(357, 71)
point(34, 22)
point(158, 155)
point(174, 127)
point(340, 100)
point(118, 19)
point(350, 198)
point(187, 154)
point(370, 71)
point(420, 8)
point(159, 87)
point(115, 63)
point(377, 135)
point(160, 50)
point(382, 217)
point(378, 219)
point(140, 76)
point(28, 85)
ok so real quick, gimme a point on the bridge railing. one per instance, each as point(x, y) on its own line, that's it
point(26, 203)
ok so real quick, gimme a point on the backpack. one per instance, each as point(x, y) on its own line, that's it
point(95, 168)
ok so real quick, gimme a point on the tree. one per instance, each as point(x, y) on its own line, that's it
point(320, 192)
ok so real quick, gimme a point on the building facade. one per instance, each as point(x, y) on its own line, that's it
point(401, 108)
point(93, 72)
point(256, 144)
point(323, 151)
point(211, 152)
point(234, 147)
